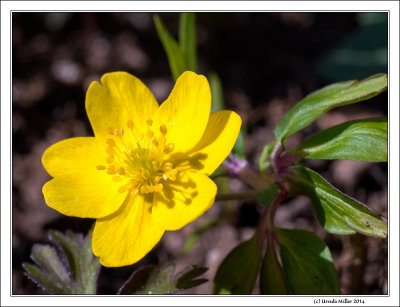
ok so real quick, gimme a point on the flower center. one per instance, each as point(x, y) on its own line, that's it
point(140, 165)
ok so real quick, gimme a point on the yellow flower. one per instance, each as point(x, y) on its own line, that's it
point(146, 169)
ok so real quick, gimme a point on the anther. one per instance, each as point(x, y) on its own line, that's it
point(100, 167)
point(110, 130)
point(129, 123)
point(163, 129)
point(111, 170)
point(158, 187)
point(110, 159)
point(149, 122)
point(157, 179)
point(167, 166)
point(119, 132)
point(134, 192)
point(110, 142)
point(169, 148)
point(154, 141)
point(121, 171)
point(109, 150)
point(122, 189)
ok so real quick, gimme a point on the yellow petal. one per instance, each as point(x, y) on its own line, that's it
point(215, 145)
point(185, 113)
point(128, 235)
point(118, 98)
point(185, 200)
point(86, 195)
point(75, 155)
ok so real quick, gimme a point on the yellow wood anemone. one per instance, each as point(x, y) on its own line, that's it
point(146, 169)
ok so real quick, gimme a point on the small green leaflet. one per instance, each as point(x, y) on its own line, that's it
point(272, 279)
point(363, 140)
point(187, 39)
point(263, 162)
point(174, 52)
point(307, 263)
point(327, 98)
point(238, 272)
point(338, 213)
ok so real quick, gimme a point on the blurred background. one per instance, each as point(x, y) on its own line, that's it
point(266, 61)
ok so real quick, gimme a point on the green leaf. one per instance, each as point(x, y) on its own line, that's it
point(73, 270)
point(187, 39)
point(82, 263)
point(239, 149)
point(307, 263)
point(50, 273)
point(338, 213)
point(174, 52)
point(267, 196)
point(238, 272)
point(266, 152)
point(156, 280)
point(327, 98)
point(364, 140)
point(272, 279)
point(217, 92)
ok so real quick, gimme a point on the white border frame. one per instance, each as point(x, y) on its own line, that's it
point(7, 6)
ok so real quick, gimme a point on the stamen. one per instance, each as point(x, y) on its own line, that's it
point(154, 141)
point(150, 134)
point(163, 130)
point(129, 123)
point(110, 130)
point(109, 150)
point(158, 187)
point(111, 170)
point(122, 188)
point(162, 140)
point(170, 147)
point(110, 142)
point(110, 159)
point(119, 132)
point(138, 159)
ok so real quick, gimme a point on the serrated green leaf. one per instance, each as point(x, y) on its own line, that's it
point(46, 257)
point(272, 279)
point(187, 39)
point(338, 213)
point(327, 98)
point(267, 196)
point(266, 152)
point(217, 92)
point(238, 272)
point(73, 270)
point(363, 140)
point(174, 52)
point(156, 280)
point(43, 280)
point(307, 263)
point(83, 264)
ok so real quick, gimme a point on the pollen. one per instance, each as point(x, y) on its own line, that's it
point(138, 160)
